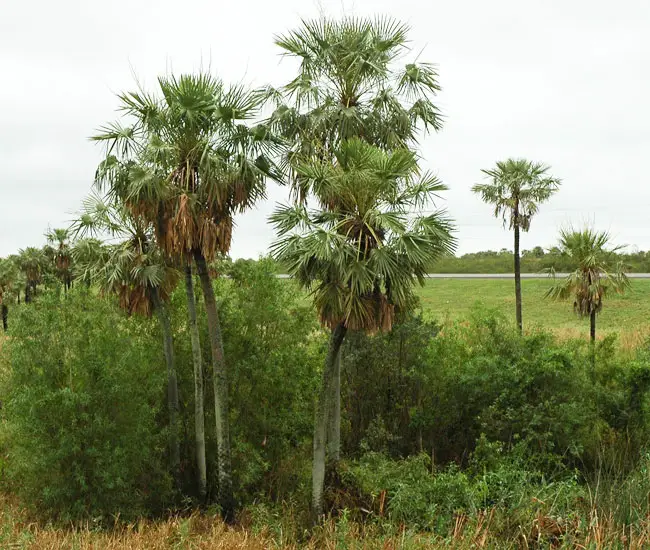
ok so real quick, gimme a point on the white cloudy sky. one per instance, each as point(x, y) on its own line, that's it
point(563, 82)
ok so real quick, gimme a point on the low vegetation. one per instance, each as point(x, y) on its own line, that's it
point(453, 433)
point(624, 316)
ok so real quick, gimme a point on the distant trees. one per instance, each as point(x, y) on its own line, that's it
point(32, 263)
point(58, 248)
point(597, 272)
point(7, 285)
point(516, 188)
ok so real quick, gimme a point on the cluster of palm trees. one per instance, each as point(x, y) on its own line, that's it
point(516, 188)
point(22, 273)
point(184, 159)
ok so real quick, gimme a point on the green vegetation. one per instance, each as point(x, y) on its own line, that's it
point(348, 409)
point(455, 431)
point(536, 260)
point(625, 315)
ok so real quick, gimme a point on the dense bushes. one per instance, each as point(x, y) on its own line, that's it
point(438, 420)
point(84, 390)
point(532, 395)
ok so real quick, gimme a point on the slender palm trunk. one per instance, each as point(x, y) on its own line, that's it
point(592, 327)
point(517, 278)
point(592, 336)
point(5, 315)
point(172, 384)
point(323, 411)
point(220, 381)
point(334, 420)
point(199, 419)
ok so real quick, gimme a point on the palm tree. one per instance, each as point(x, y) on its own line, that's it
point(135, 271)
point(353, 81)
point(32, 263)
point(597, 272)
point(360, 253)
point(188, 162)
point(59, 240)
point(516, 188)
point(350, 84)
point(7, 285)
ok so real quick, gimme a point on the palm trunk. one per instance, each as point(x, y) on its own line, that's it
point(517, 278)
point(592, 336)
point(334, 420)
point(323, 411)
point(199, 419)
point(172, 384)
point(220, 382)
point(5, 315)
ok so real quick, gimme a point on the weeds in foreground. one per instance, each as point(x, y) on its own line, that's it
point(202, 531)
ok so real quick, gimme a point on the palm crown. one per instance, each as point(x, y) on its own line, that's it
point(187, 161)
point(516, 188)
point(595, 272)
point(132, 268)
point(349, 85)
point(364, 249)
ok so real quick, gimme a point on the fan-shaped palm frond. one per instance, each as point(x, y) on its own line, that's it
point(349, 85)
point(597, 270)
point(367, 246)
point(516, 188)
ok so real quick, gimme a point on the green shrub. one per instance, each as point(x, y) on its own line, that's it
point(84, 388)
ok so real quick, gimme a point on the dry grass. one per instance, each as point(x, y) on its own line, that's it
point(202, 531)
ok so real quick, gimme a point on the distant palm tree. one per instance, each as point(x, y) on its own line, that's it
point(516, 189)
point(135, 271)
point(59, 240)
point(360, 253)
point(8, 281)
point(32, 262)
point(597, 271)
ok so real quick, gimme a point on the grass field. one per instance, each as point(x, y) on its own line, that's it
point(627, 315)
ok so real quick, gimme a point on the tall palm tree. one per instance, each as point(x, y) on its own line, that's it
point(59, 240)
point(135, 271)
point(188, 162)
point(354, 80)
point(360, 253)
point(121, 175)
point(597, 271)
point(516, 188)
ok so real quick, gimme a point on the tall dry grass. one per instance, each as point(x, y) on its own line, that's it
point(203, 531)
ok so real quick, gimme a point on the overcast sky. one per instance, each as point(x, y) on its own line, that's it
point(562, 82)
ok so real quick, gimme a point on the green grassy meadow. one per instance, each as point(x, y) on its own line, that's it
point(453, 299)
